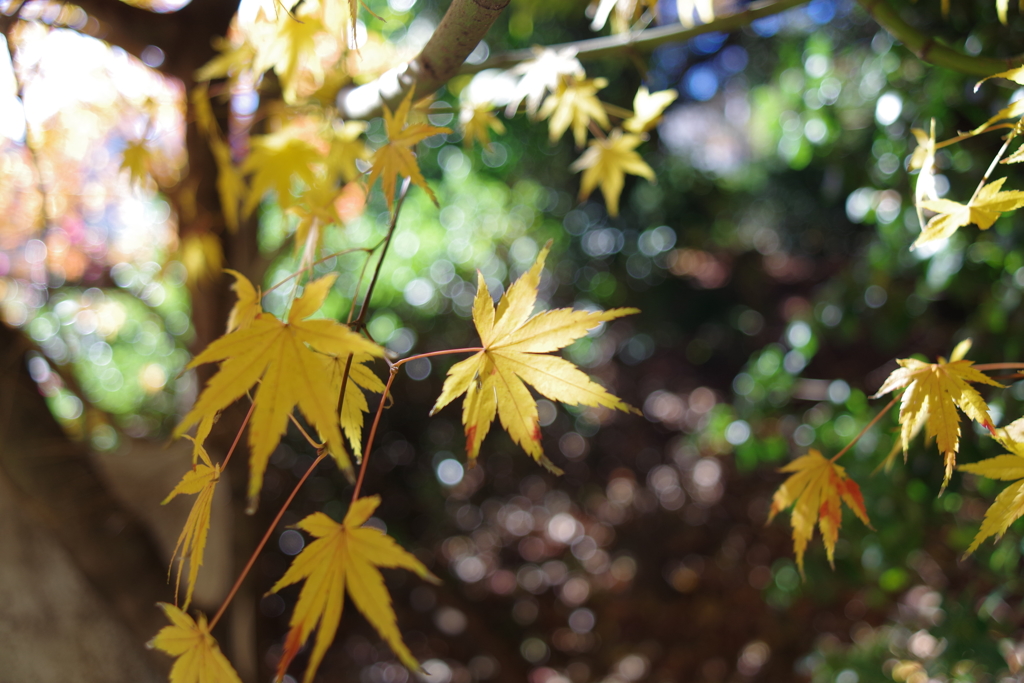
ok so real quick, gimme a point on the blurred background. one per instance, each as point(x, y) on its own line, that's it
point(772, 266)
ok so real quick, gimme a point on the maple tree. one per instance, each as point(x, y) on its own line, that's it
point(318, 162)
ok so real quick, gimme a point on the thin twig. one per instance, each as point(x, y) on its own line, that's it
point(991, 167)
point(361, 318)
point(384, 398)
point(998, 366)
point(311, 440)
point(359, 283)
point(263, 542)
point(373, 433)
point(307, 254)
point(970, 134)
point(431, 354)
point(238, 436)
point(869, 425)
point(303, 269)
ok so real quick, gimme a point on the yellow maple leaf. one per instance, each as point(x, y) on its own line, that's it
point(344, 558)
point(1015, 75)
point(607, 162)
point(287, 359)
point(514, 348)
point(983, 210)
point(923, 161)
point(288, 44)
point(248, 306)
point(648, 108)
point(623, 13)
point(478, 120)
point(574, 103)
point(317, 206)
point(274, 160)
point(346, 146)
point(201, 479)
point(1009, 504)
point(815, 490)
point(201, 254)
point(1013, 110)
point(199, 657)
point(354, 406)
point(541, 75)
point(233, 60)
point(934, 391)
point(396, 157)
point(705, 10)
point(136, 159)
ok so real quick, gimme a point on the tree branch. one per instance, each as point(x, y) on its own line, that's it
point(463, 27)
point(928, 50)
point(640, 41)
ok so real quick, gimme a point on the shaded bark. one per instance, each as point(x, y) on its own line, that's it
point(62, 500)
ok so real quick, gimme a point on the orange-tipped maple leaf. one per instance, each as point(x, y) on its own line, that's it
point(199, 658)
point(287, 359)
point(514, 354)
point(396, 157)
point(814, 490)
point(344, 558)
point(934, 391)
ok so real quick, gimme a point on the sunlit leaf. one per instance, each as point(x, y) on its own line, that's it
point(574, 103)
point(705, 10)
point(202, 255)
point(541, 75)
point(934, 392)
point(815, 490)
point(346, 147)
point(983, 210)
point(478, 120)
point(514, 355)
point(286, 358)
point(923, 161)
point(648, 108)
point(396, 158)
point(275, 160)
point(1008, 506)
point(288, 44)
point(136, 159)
point(344, 558)
point(606, 162)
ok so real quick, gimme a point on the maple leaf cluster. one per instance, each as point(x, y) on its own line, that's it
point(932, 393)
point(304, 362)
point(989, 201)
